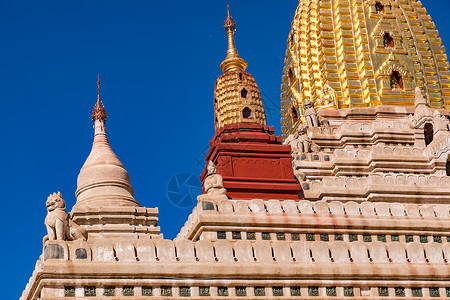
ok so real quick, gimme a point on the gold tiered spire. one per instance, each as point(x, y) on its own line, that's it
point(232, 61)
point(236, 95)
point(99, 113)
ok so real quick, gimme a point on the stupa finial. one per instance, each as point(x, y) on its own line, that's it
point(98, 85)
point(229, 23)
point(99, 113)
point(232, 61)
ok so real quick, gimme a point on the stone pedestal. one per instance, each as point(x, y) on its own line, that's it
point(253, 163)
point(118, 222)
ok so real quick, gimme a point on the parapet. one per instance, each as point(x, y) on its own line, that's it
point(183, 251)
point(277, 220)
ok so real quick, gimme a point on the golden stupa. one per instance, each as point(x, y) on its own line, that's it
point(355, 53)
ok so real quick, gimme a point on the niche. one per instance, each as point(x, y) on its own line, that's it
point(396, 81)
point(294, 114)
point(379, 8)
point(291, 76)
point(80, 253)
point(388, 41)
point(429, 134)
point(244, 93)
point(247, 113)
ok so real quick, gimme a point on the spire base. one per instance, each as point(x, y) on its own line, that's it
point(232, 64)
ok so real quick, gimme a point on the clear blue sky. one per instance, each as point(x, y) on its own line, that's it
point(158, 62)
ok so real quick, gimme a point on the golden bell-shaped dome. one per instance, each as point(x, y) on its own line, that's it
point(344, 53)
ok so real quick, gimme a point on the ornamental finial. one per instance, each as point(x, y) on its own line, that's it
point(232, 61)
point(98, 85)
point(229, 23)
point(99, 113)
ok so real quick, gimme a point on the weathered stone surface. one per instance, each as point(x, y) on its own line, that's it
point(321, 208)
point(282, 252)
point(415, 253)
point(352, 208)
point(301, 252)
point(320, 252)
point(336, 208)
point(224, 251)
point(290, 207)
point(185, 250)
point(358, 252)
point(367, 209)
point(103, 250)
point(146, 250)
point(165, 251)
point(125, 250)
point(397, 252)
point(243, 251)
point(305, 207)
point(397, 210)
point(225, 206)
point(378, 252)
point(257, 206)
point(274, 207)
point(339, 252)
point(205, 251)
point(263, 251)
point(434, 253)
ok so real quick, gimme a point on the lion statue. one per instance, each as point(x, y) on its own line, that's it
point(58, 223)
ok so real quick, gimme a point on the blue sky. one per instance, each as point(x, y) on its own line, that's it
point(158, 61)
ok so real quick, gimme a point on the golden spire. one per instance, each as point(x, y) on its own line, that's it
point(99, 113)
point(232, 61)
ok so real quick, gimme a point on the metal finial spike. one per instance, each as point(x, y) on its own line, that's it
point(229, 23)
point(98, 84)
point(99, 111)
point(232, 61)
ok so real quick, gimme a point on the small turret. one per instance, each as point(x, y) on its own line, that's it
point(103, 180)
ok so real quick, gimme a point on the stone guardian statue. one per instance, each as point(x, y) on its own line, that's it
point(213, 186)
point(58, 223)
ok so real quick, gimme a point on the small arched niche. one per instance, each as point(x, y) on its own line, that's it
point(379, 8)
point(247, 113)
point(215, 104)
point(294, 114)
point(388, 41)
point(396, 80)
point(81, 253)
point(241, 76)
point(291, 76)
point(429, 133)
point(244, 93)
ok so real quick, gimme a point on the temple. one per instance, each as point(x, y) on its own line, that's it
point(351, 202)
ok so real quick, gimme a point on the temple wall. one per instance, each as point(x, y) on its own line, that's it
point(262, 267)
